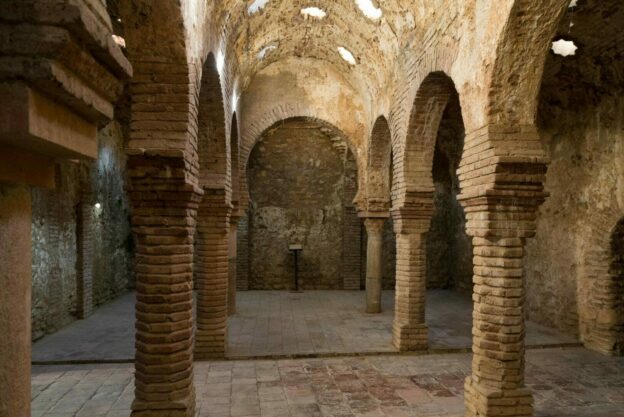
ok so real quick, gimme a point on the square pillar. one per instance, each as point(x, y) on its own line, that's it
point(15, 300)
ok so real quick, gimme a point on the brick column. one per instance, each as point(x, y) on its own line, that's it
point(213, 227)
point(232, 260)
point(409, 330)
point(242, 253)
point(496, 386)
point(500, 195)
point(163, 221)
point(374, 252)
point(15, 300)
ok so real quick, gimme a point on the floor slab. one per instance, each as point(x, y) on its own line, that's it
point(282, 324)
point(566, 382)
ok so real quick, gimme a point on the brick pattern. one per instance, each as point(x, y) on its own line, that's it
point(352, 246)
point(213, 223)
point(500, 195)
point(409, 331)
point(84, 257)
point(164, 211)
point(232, 262)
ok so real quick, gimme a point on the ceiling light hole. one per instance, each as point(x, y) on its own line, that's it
point(368, 8)
point(346, 55)
point(564, 48)
point(573, 4)
point(314, 12)
point(256, 6)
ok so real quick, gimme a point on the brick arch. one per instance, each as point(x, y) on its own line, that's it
point(252, 131)
point(432, 97)
point(212, 143)
point(601, 287)
point(379, 166)
point(162, 89)
point(519, 63)
point(415, 69)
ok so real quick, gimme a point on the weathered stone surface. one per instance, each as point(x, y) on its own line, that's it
point(300, 174)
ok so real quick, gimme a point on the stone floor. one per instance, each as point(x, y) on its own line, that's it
point(567, 382)
point(284, 324)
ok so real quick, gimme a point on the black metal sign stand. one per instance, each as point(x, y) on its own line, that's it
point(295, 249)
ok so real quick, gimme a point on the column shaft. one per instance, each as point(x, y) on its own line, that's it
point(212, 277)
point(409, 331)
point(374, 247)
point(164, 224)
point(15, 300)
point(232, 260)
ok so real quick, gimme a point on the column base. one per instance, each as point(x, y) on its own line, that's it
point(406, 337)
point(489, 402)
point(179, 408)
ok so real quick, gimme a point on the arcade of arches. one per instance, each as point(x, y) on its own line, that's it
point(312, 208)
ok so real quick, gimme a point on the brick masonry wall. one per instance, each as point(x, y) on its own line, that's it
point(56, 235)
point(297, 185)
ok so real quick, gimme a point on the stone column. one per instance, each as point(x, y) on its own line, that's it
point(496, 386)
point(212, 275)
point(409, 330)
point(500, 196)
point(374, 247)
point(163, 222)
point(232, 261)
point(15, 300)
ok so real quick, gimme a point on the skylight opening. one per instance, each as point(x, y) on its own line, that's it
point(573, 4)
point(564, 48)
point(314, 12)
point(266, 50)
point(346, 55)
point(256, 6)
point(368, 8)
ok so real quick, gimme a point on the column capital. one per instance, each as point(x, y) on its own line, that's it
point(374, 225)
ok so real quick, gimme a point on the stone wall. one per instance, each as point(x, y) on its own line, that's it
point(297, 174)
point(56, 234)
point(581, 118)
